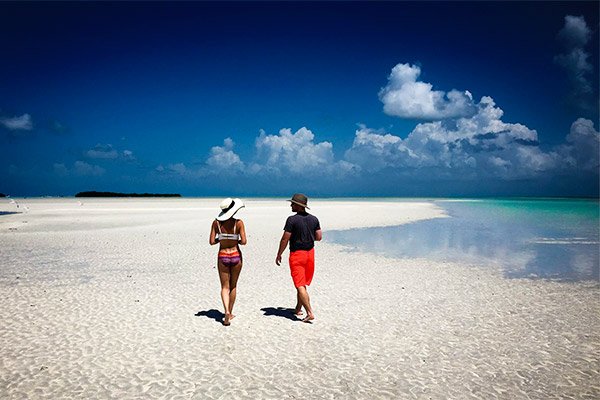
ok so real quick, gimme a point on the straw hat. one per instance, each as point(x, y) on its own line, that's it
point(300, 199)
point(229, 207)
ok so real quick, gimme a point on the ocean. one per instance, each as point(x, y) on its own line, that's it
point(528, 238)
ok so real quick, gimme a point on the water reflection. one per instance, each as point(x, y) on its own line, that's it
point(536, 239)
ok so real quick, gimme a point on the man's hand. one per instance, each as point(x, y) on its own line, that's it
point(282, 245)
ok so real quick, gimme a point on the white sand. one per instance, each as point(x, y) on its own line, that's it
point(107, 300)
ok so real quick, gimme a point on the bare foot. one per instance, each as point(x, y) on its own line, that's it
point(227, 319)
point(309, 318)
point(298, 311)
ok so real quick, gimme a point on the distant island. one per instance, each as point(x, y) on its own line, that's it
point(2, 195)
point(114, 194)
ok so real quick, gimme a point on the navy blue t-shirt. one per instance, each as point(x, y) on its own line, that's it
point(302, 226)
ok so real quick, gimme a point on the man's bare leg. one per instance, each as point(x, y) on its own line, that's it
point(298, 309)
point(305, 301)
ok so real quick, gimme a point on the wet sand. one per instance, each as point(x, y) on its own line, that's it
point(119, 298)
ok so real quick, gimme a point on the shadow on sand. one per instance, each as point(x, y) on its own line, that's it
point(8, 212)
point(280, 312)
point(217, 315)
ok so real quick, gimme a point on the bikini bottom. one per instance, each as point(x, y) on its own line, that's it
point(229, 259)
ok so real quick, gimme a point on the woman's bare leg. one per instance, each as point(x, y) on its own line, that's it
point(225, 278)
point(233, 278)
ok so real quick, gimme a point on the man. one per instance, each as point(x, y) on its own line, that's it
point(300, 231)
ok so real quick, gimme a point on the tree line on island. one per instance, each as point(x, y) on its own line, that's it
point(116, 194)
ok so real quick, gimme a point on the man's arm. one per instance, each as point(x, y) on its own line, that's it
point(318, 235)
point(282, 245)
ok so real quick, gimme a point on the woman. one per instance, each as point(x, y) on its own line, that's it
point(230, 234)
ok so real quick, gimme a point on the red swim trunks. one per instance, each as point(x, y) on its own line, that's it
point(302, 266)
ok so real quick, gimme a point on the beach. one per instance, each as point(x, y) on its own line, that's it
point(119, 298)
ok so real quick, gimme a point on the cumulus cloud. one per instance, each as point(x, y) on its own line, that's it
point(22, 123)
point(375, 150)
point(85, 169)
point(79, 168)
point(477, 143)
point(128, 155)
point(479, 146)
point(102, 151)
point(582, 147)
point(179, 168)
point(223, 159)
point(464, 141)
point(108, 152)
point(407, 97)
point(296, 153)
point(573, 37)
point(287, 153)
point(176, 169)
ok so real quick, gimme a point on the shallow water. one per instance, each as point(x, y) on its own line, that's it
point(541, 238)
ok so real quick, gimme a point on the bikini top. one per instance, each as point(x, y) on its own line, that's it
point(228, 236)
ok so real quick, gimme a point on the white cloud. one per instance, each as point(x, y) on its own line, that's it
point(574, 36)
point(108, 152)
point(373, 150)
point(223, 159)
point(23, 122)
point(470, 149)
point(474, 144)
point(174, 170)
point(128, 155)
point(575, 32)
point(84, 169)
point(292, 152)
point(479, 146)
point(582, 147)
point(406, 97)
point(179, 168)
point(102, 151)
point(79, 168)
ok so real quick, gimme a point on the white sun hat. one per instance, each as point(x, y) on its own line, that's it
point(229, 207)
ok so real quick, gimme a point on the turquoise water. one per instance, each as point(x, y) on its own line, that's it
point(533, 238)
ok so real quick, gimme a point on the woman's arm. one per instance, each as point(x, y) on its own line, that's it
point(242, 231)
point(212, 239)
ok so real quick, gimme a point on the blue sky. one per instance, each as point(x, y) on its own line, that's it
point(332, 99)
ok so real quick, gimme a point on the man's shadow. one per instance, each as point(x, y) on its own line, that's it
point(283, 312)
point(217, 315)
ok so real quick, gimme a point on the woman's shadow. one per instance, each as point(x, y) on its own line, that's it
point(217, 315)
